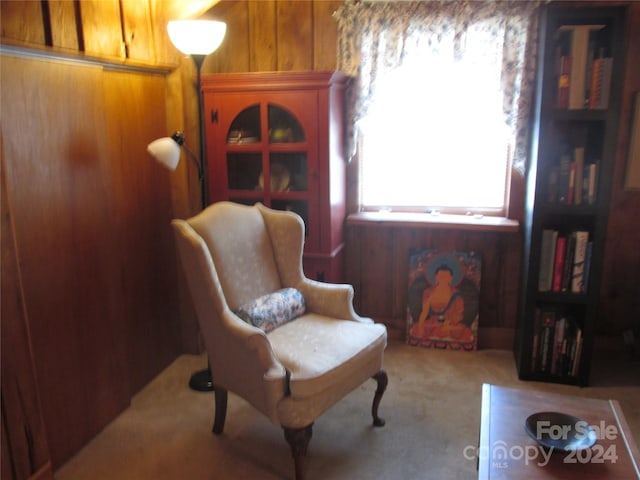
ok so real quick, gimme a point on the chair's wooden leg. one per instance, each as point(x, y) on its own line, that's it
point(382, 379)
point(298, 439)
point(221, 409)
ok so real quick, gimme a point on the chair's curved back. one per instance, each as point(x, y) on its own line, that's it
point(241, 250)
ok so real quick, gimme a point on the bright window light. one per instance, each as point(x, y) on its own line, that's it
point(435, 135)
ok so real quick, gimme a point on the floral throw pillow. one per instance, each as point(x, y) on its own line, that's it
point(274, 309)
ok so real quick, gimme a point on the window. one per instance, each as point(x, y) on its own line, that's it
point(440, 101)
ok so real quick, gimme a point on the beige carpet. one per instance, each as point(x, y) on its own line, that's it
point(432, 409)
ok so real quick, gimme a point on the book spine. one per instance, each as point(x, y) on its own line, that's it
point(536, 340)
point(547, 257)
point(578, 353)
point(558, 340)
point(563, 178)
point(578, 158)
point(577, 280)
point(572, 183)
point(558, 265)
point(587, 268)
point(605, 89)
point(564, 76)
point(568, 263)
point(546, 345)
point(579, 48)
point(596, 84)
point(593, 183)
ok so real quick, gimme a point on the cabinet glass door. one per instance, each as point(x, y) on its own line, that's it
point(264, 153)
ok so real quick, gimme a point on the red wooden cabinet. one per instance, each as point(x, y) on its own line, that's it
point(277, 138)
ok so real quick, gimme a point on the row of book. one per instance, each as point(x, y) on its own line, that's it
point(583, 70)
point(557, 344)
point(565, 260)
point(573, 181)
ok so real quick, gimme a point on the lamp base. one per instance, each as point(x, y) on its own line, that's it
point(201, 381)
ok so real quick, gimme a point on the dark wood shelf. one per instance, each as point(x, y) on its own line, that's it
point(560, 134)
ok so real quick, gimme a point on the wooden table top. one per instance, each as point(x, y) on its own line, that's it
point(507, 452)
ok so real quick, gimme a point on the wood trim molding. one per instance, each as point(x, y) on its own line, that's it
point(56, 55)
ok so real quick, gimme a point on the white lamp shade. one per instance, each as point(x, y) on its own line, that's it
point(166, 151)
point(196, 37)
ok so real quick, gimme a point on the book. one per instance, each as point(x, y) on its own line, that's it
point(579, 52)
point(546, 339)
point(577, 278)
point(536, 338)
point(596, 84)
point(572, 183)
point(587, 268)
point(547, 257)
point(567, 272)
point(558, 340)
point(592, 183)
point(578, 159)
point(600, 83)
point(575, 368)
point(558, 264)
point(564, 171)
point(585, 183)
point(564, 75)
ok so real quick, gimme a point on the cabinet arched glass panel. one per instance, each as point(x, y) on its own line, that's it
point(245, 128)
point(283, 126)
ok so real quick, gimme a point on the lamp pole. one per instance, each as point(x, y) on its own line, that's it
point(197, 38)
point(201, 380)
point(198, 59)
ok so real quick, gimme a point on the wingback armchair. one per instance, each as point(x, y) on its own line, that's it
point(291, 346)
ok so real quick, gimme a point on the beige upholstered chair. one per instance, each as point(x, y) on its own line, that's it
point(234, 254)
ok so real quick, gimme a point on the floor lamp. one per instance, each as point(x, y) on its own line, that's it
point(197, 38)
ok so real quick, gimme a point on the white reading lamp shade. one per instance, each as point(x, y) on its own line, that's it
point(166, 151)
point(196, 37)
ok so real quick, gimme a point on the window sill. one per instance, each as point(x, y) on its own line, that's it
point(440, 221)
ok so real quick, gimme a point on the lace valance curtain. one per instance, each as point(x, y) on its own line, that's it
point(377, 37)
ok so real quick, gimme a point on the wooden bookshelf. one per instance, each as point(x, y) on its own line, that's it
point(568, 189)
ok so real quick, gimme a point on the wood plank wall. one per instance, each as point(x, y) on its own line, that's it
point(378, 261)
point(620, 295)
point(91, 211)
point(91, 215)
point(272, 35)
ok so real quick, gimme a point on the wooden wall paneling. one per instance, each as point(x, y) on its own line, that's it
point(262, 25)
point(234, 53)
point(137, 31)
point(275, 35)
point(64, 27)
point(142, 204)
point(22, 22)
point(400, 269)
point(102, 28)
point(353, 260)
point(377, 267)
point(376, 271)
point(185, 201)
point(325, 35)
point(24, 445)
point(294, 35)
point(59, 182)
point(620, 293)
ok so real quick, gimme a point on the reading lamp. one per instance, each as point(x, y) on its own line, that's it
point(197, 38)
